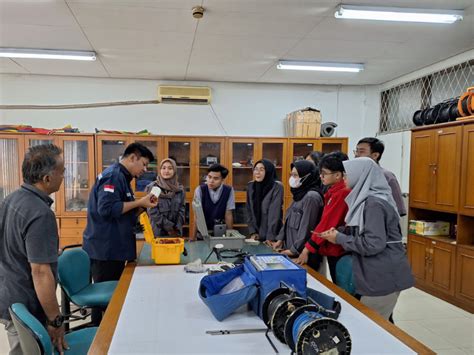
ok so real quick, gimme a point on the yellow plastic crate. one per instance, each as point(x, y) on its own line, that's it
point(161, 252)
point(167, 253)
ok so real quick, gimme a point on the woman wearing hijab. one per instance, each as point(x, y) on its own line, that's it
point(304, 212)
point(168, 217)
point(373, 235)
point(264, 202)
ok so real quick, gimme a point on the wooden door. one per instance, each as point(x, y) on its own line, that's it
point(11, 158)
point(299, 148)
point(183, 151)
point(242, 155)
point(155, 145)
point(467, 175)
point(417, 256)
point(109, 150)
point(465, 274)
point(447, 170)
point(421, 169)
point(329, 145)
point(210, 150)
point(79, 176)
point(441, 265)
point(276, 151)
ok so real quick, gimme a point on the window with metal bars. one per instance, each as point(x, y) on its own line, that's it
point(400, 102)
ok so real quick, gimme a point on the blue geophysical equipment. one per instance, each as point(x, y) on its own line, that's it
point(275, 288)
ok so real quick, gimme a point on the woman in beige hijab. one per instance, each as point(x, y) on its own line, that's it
point(168, 218)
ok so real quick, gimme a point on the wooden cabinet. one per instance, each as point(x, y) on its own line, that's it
point(465, 274)
point(435, 168)
point(87, 155)
point(467, 174)
point(79, 174)
point(71, 230)
point(11, 157)
point(421, 164)
point(447, 168)
point(441, 265)
point(441, 188)
point(109, 149)
point(417, 255)
point(433, 262)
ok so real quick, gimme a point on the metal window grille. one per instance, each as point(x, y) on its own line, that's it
point(400, 102)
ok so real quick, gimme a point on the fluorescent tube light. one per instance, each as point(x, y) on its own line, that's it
point(320, 66)
point(397, 14)
point(46, 54)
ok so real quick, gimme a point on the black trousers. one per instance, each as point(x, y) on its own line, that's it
point(108, 270)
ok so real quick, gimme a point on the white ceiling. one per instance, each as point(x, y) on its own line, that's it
point(237, 40)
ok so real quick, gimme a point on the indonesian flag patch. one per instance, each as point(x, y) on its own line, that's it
point(109, 188)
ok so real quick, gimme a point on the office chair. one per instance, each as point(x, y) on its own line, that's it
point(344, 278)
point(75, 281)
point(35, 340)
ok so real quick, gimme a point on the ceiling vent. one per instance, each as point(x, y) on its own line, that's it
point(198, 95)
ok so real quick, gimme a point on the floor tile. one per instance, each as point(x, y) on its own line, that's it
point(458, 331)
point(453, 351)
point(427, 337)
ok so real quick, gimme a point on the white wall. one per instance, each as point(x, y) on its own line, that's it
point(243, 109)
point(397, 145)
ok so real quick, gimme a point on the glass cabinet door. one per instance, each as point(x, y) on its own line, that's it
point(77, 180)
point(275, 153)
point(242, 164)
point(9, 166)
point(331, 147)
point(209, 153)
point(301, 149)
point(112, 150)
point(180, 152)
point(152, 170)
point(33, 142)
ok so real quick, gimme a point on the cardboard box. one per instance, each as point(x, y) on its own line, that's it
point(304, 123)
point(429, 227)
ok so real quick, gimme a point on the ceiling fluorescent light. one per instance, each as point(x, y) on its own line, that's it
point(320, 66)
point(397, 14)
point(46, 54)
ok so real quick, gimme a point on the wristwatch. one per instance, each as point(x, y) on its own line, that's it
point(56, 322)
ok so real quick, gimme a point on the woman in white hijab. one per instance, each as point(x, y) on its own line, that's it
point(373, 235)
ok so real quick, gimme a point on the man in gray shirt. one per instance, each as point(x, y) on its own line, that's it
point(373, 148)
point(29, 246)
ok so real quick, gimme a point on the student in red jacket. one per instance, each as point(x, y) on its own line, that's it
point(335, 208)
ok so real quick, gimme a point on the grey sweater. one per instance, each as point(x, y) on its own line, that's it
point(272, 212)
point(379, 262)
point(301, 218)
point(169, 215)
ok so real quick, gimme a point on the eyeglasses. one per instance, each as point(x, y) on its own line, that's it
point(359, 151)
point(322, 174)
point(259, 170)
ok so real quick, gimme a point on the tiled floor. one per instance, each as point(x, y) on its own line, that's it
point(446, 329)
point(439, 325)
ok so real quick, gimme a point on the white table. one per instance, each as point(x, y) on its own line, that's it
point(163, 314)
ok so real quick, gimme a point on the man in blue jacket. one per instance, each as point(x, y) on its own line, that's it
point(109, 237)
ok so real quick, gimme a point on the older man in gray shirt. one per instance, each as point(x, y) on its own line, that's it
point(29, 246)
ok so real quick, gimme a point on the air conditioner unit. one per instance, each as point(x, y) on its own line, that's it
point(200, 95)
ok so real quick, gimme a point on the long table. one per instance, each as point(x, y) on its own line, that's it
point(158, 313)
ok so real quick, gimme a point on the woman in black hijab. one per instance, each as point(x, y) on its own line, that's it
point(304, 212)
point(264, 202)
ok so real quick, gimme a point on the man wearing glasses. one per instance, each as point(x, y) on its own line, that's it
point(373, 148)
